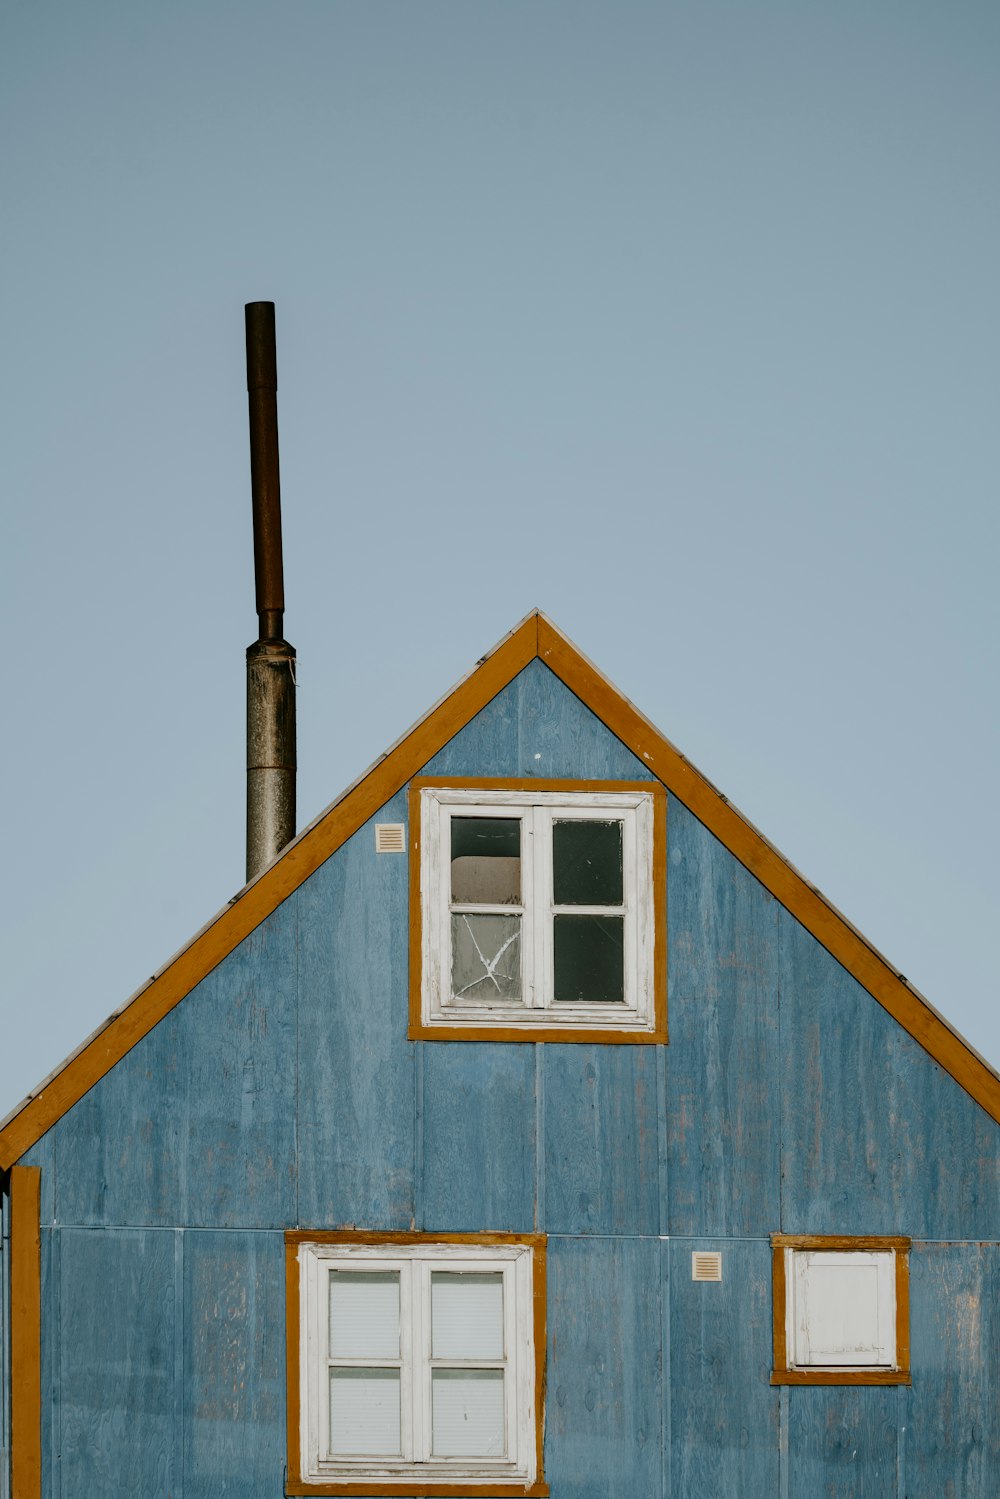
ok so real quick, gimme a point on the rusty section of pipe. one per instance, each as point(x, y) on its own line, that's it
point(265, 482)
point(270, 659)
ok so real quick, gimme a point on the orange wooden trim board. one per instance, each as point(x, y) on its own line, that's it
point(535, 637)
point(26, 1332)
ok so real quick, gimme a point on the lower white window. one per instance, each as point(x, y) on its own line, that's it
point(417, 1364)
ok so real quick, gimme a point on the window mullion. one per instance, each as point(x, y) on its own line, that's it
point(421, 1360)
point(542, 905)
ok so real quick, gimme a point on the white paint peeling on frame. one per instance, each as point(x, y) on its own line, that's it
point(536, 1006)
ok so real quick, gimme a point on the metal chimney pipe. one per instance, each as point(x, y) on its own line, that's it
point(270, 659)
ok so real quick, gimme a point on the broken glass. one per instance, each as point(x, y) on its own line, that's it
point(485, 956)
point(486, 861)
point(590, 958)
point(587, 863)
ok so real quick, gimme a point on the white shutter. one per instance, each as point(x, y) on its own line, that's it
point(843, 1308)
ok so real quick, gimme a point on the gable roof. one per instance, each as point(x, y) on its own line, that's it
point(536, 637)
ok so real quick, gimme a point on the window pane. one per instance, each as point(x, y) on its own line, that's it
point(364, 1314)
point(486, 861)
point(468, 1413)
point(589, 958)
point(467, 1315)
point(587, 863)
point(485, 956)
point(364, 1412)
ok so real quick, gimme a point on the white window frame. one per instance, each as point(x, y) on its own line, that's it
point(538, 810)
point(416, 1262)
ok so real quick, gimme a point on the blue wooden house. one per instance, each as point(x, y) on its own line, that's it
point(529, 1126)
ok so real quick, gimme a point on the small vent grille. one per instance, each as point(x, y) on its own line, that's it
point(706, 1266)
point(390, 838)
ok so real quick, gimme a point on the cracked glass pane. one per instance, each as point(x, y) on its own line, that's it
point(486, 861)
point(485, 956)
point(589, 958)
point(587, 863)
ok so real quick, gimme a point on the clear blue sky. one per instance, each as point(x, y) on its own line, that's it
point(680, 321)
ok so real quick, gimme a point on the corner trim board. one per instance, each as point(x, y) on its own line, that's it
point(26, 1332)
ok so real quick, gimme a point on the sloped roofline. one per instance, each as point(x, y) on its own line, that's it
point(536, 637)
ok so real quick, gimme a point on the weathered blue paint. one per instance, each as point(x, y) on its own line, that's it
point(724, 1410)
point(604, 1432)
point(356, 1093)
point(478, 1104)
point(283, 1091)
point(723, 1062)
point(116, 1411)
point(953, 1440)
point(601, 1131)
point(233, 1390)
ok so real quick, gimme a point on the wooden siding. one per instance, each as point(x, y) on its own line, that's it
point(283, 1092)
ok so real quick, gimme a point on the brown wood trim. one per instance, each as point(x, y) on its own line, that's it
point(781, 1373)
point(488, 1031)
point(661, 918)
point(296, 863)
point(779, 1308)
point(419, 1490)
point(840, 1376)
point(26, 1332)
point(563, 1034)
point(415, 1029)
point(539, 1292)
point(840, 1241)
point(532, 783)
point(297, 1236)
point(293, 1238)
point(292, 1385)
point(903, 1311)
point(771, 868)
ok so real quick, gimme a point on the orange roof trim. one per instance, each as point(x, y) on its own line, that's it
point(535, 637)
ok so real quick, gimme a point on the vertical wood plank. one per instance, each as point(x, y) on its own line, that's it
point(478, 1137)
point(234, 1375)
point(722, 1062)
point(116, 1379)
point(842, 1440)
point(724, 1412)
point(952, 1410)
point(356, 1067)
point(602, 1171)
point(604, 1404)
point(26, 1332)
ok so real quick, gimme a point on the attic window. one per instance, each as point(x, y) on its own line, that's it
point(539, 910)
point(841, 1310)
point(416, 1362)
